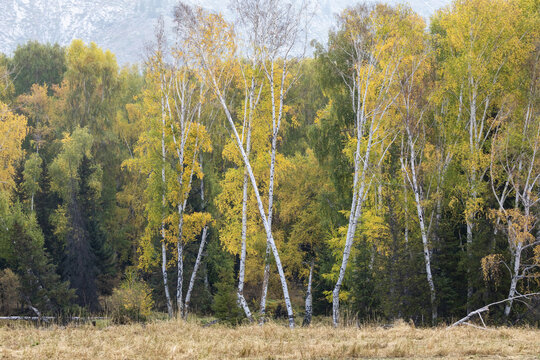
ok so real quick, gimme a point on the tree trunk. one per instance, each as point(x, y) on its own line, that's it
point(423, 231)
point(260, 206)
point(266, 279)
point(346, 253)
point(241, 272)
point(195, 269)
point(163, 240)
point(469, 220)
point(199, 254)
point(359, 188)
point(275, 130)
point(164, 273)
point(309, 297)
point(180, 280)
point(515, 277)
point(469, 257)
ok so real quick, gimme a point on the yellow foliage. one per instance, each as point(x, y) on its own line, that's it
point(491, 268)
point(132, 301)
point(375, 230)
point(13, 129)
point(516, 225)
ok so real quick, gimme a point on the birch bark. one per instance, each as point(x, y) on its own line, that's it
point(363, 87)
point(163, 239)
point(309, 297)
point(201, 248)
point(418, 199)
point(241, 272)
point(194, 22)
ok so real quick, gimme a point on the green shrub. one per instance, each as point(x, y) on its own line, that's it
point(10, 287)
point(225, 305)
point(131, 302)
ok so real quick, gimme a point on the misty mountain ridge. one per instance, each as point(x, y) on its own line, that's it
point(125, 26)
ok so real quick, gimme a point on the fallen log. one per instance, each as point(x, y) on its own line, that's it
point(485, 308)
point(49, 318)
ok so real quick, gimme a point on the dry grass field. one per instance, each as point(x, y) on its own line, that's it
point(179, 340)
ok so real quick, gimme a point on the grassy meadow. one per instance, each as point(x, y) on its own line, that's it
point(190, 340)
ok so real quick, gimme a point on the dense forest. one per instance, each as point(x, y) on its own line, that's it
point(246, 174)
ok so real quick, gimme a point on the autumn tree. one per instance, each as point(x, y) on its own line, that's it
point(73, 178)
point(13, 129)
point(369, 55)
point(515, 167)
point(174, 138)
point(274, 31)
point(36, 63)
point(424, 160)
point(212, 44)
point(479, 43)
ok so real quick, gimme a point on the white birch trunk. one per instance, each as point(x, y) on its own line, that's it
point(470, 217)
point(195, 270)
point(259, 204)
point(359, 189)
point(163, 240)
point(514, 280)
point(180, 243)
point(241, 272)
point(423, 231)
point(266, 279)
point(309, 297)
point(180, 281)
point(469, 256)
point(184, 118)
point(276, 123)
point(199, 253)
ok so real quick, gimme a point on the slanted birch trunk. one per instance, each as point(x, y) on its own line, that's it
point(260, 206)
point(514, 279)
point(276, 123)
point(266, 279)
point(195, 270)
point(199, 253)
point(359, 191)
point(192, 24)
point(360, 85)
point(515, 164)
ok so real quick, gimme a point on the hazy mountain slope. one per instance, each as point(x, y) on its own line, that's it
point(123, 26)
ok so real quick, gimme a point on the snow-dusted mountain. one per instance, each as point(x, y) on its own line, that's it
point(124, 26)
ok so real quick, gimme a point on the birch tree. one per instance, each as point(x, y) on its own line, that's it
point(212, 44)
point(369, 73)
point(250, 104)
point(413, 107)
point(274, 30)
point(188, 138)
point(478, 44)
point(150, 159)
point(160, 69)
point(515, 172)
point(175, 97)
point(202, 245)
